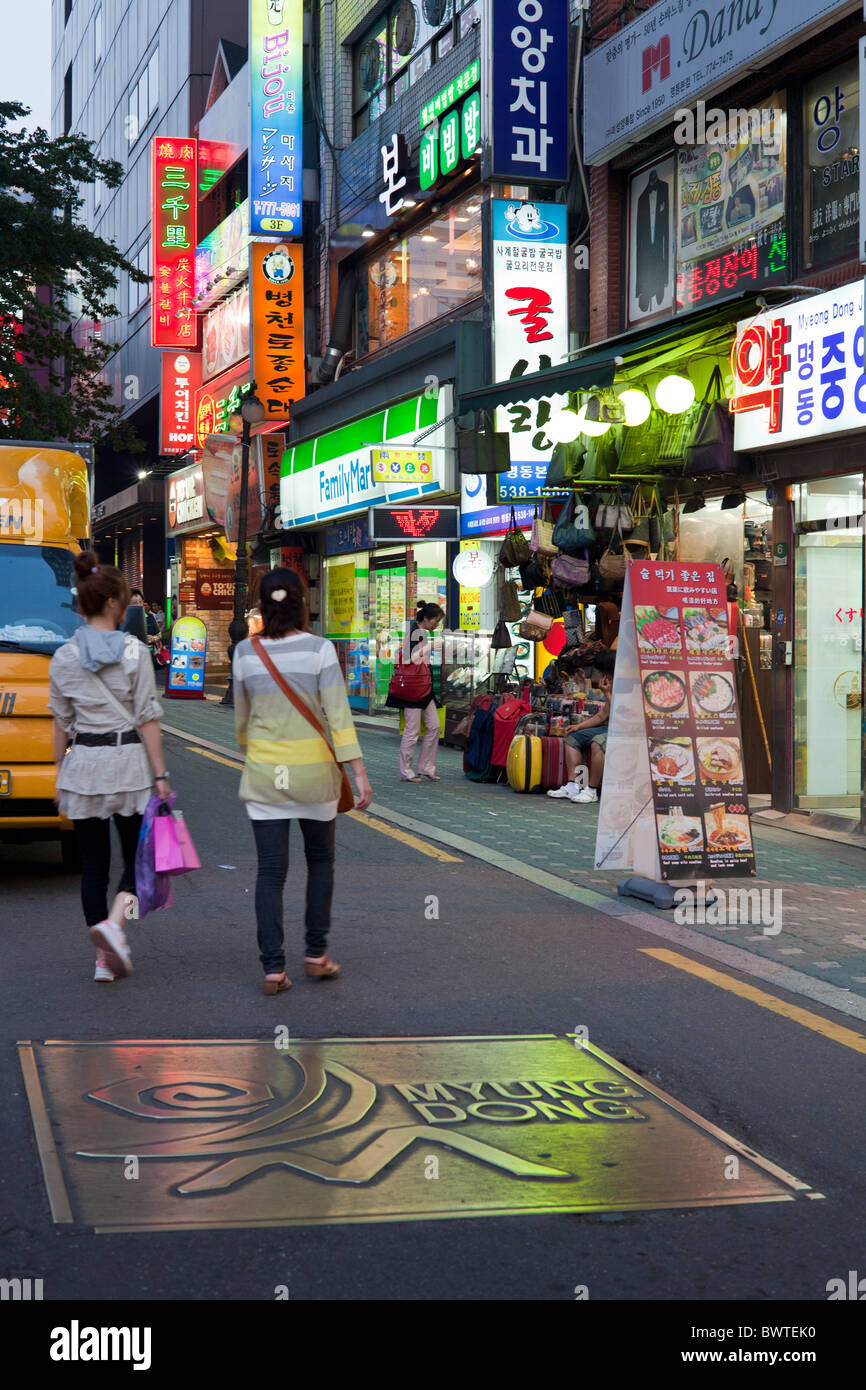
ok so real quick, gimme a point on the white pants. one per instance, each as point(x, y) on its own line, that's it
point(429, 743)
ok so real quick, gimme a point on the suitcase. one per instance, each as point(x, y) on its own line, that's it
point(554, 772)
point(523, 767)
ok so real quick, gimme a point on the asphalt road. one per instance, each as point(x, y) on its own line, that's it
point(503, 958)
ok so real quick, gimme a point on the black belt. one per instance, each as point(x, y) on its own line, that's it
point(107, 740)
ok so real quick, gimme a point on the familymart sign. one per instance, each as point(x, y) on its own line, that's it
point(332, 476)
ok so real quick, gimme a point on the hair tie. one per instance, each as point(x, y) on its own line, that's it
point(278, 595)
point(95, 570)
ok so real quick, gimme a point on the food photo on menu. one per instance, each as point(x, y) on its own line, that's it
point(672, 760)
point(720, 761)
point(664, 694)
point(713, 695)
point(681, 837)
point(658, 630)
point(706, 631)
point(727, 833)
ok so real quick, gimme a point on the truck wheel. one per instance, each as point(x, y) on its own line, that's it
point(69, 853)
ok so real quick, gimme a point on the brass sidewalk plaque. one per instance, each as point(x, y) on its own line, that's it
point(148, 1135)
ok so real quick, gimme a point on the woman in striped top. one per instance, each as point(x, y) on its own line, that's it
point(289, 772)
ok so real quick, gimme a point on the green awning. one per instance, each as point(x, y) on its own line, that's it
point(599, 365)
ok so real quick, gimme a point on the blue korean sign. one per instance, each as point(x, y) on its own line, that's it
point(477, 519)
point(527, 111)
point(276, 116)
point(348, 537)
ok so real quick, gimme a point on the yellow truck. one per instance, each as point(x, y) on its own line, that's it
point(44, 518)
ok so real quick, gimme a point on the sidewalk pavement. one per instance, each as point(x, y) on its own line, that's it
point(822, 882)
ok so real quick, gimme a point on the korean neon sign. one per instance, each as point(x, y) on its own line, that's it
point(276, 160)
point(173, 216)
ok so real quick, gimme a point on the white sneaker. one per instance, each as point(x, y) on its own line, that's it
point(102, 972)
point(110, 940)
point(570, 789)
point(585, 797)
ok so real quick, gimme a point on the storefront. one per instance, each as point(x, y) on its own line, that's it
point(370, 590)
point(801, 410)
point(203, 563)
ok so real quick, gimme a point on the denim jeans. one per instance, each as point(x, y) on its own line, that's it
point(272, 847)
point(94, 843)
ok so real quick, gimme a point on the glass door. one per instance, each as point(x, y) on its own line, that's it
point(828, 626)
point(387, 622)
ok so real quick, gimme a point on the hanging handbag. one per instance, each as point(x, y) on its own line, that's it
point(614, 562)
point(568, 535)
point(514, 550)
point(574, 631)
point(538, 621)
point(510, 606)
point(501, 639)
point(541, 542)
point(711, 449)
point(565, 464)
point(347, 799)
point(534, 574)
point(671, 529)
point(570, 570)
point(602, 458)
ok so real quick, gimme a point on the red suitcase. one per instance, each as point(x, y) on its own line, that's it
point(553, 765)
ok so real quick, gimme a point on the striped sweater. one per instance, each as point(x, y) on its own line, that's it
point(285, 758)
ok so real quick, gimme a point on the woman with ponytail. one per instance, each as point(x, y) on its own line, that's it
point(411, 690)
point(295, 727)
point(108, 750)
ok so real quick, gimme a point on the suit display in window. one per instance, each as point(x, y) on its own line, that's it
point(653, 239)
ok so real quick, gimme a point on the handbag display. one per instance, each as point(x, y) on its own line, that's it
point(347, 798)
point(614, 563)
point(571, 570)
point(510, 606)
point(711, 449)
point(541, 542)
point(514, 550)
point(573, 531)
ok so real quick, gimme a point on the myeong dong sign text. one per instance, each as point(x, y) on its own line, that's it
point(799, 371)
point(676, 52)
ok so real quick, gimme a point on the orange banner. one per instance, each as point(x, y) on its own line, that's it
point(277, 317)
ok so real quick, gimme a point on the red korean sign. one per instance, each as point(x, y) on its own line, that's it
point(689, 693)
point(173, 233)
point(277, 316)
point(181, 379)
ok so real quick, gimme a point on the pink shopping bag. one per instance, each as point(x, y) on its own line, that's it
point(167, 852)
point(187, 848)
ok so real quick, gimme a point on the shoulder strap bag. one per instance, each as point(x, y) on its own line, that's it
point(347, 798)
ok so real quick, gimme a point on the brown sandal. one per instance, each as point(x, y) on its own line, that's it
point(277, 985)
point(324, 969)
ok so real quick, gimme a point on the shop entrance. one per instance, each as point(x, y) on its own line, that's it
point(828, 645)
point(388, 610)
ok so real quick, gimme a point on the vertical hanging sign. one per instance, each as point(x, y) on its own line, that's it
point(525, 91)
point(276, 116)
point(173, 216)
point(277, 316)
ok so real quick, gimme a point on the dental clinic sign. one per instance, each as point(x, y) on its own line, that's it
point(334, 475)
point(524, 91)
point(799, 372)
point(276, 160)
point(674, 53)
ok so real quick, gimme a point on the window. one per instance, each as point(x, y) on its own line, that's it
point(97, 37)
point(138, 294)
point(831, 177)
point(399, 48)
point(143, 98)
point(67, 100)
point(429, 273)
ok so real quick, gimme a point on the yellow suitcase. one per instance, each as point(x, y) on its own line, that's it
point(524, 765)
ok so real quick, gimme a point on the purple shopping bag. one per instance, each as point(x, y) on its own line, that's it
point(167, 853)
point(153, 890)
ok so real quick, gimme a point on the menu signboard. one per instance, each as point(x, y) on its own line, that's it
point(675, 657)
point(187, 666)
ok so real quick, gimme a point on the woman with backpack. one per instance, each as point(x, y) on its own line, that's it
point(108, 750)
point(411, 690)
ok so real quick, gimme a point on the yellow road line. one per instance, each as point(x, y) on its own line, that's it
point(432, 851)
point(204, 753)
point(834, 1031)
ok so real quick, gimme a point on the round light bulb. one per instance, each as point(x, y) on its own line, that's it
point(637, 406)
point(675, 394)
point(593, 428)
point(564, 427)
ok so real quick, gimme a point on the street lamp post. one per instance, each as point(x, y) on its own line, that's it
point(252, 412)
